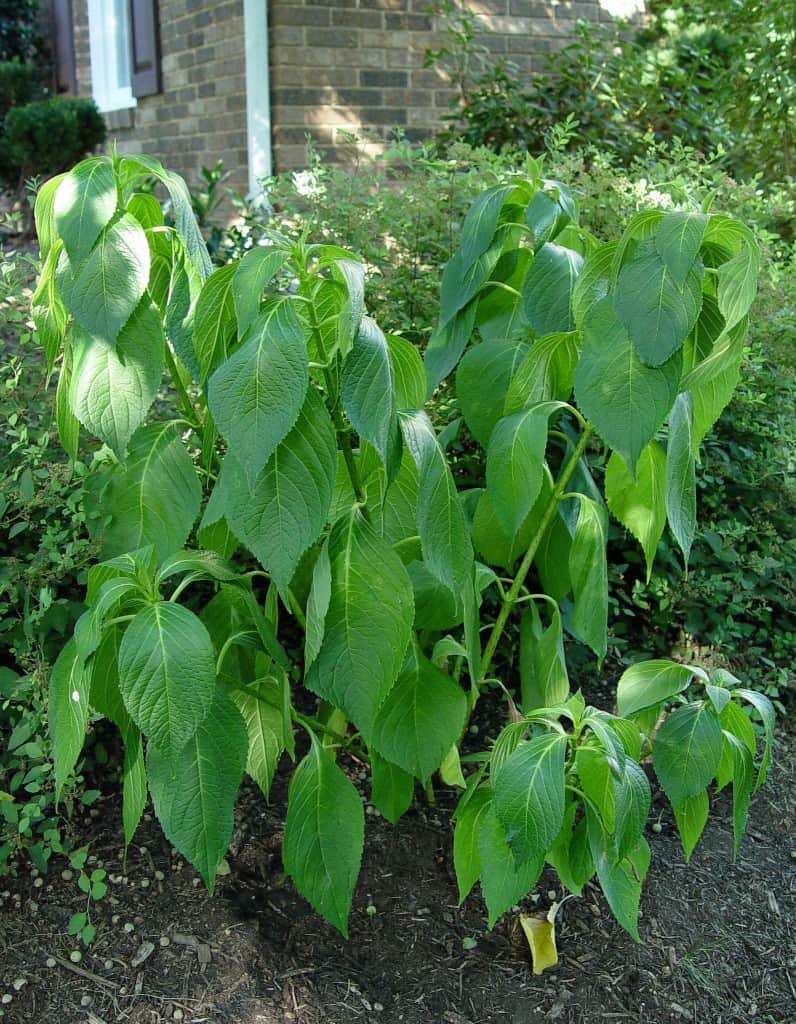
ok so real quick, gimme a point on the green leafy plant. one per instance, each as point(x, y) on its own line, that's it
point(301, 438)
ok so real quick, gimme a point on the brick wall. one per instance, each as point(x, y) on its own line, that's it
point(200, 116)
point(358, 64)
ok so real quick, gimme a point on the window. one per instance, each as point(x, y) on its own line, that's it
point(109, 41)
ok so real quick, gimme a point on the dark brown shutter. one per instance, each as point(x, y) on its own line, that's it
point(145, 47)
point(63, 39)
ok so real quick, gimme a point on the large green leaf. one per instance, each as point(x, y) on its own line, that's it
point(153, 498)
point(529, 795)
point(421, 717)
point(446, 344)
point(440, 518)
point(368, 392)
point(461, 280)
point(482, 380)
point(102, 290)
point(515, 466)
point(546, 373)
point(677, 241)
point(687, 750)
point(367, 624)
point(649, 683)
point(324, 835)
point(593, 282)
point(215, 326)
point(66, 422)
point(503, 881)
point(548, 287)
point(167, 674)
point(67, 711)
point(257, 267)
point(84, 202)
point(391, 788)
point(409, 374)
point(712, 381)
point(691, 817)
point(261, 707)
point(624, 399)
point(480, 223)
point(588, 573)
point(256, 395)
point(681, 474)
point(738, 275)
point(194, 788)
point(282, 511)
point(596, 777)
point(656, 312)
point(113, 386)
point(640, 504)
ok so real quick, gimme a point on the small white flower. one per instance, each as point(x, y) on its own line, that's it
point(307, 184)
point(75, 696)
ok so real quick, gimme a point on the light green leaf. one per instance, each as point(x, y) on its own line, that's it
point(367, 626)
point(368, 393)
point(480, 223)
point(194, 789)
point(256, 269)
point(421, 717)
point(409, 374)
point(633, 799)
point(261, 707)
point(324, 836)
point(597, 782)
point(543, 668)
point(446, 344)
point(89, 627)
point(105, 697)
point(215, 326)
point(153, 498)
point(43, 214)
point(764, 708)
point(529, 796)
point(47, 310)
point(491, 540)
point(83, 203)
point(466, 854)
point(588, 573)
point(351, 274)
point(257, 394)
point(712, 382)
point(515, 463)
point(625, 400)
point(546, 373)
point(391, 788)
point(620, 879)
point(134, 787)
point(443, 531)
point(691, 816)
point(681, 474)
point(656, 313)
point(318, 605)
point(687, 750)
point(114, 385)
point(282, 511)
point(570, 854)
point(65, 420)
point(649, 683)
point(640, 504)
point(738, 275)
point(482, 381)
point(67, 712)
point(167, 674)
point(102, 290)
point(184, 290)
point(743, 780)
point(503, 882)
point(547, 290)
point(146, 209)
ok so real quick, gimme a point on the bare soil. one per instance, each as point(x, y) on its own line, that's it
point(718, 938)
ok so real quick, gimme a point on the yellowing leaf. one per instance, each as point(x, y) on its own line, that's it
point(540, 931)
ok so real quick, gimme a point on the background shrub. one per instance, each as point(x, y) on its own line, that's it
point(47, 136)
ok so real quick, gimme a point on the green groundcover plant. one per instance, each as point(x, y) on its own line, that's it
point(301, 438)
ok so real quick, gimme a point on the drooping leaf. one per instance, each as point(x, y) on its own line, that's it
point(324, 835)
point(650, 683)
point(625, 400)
point(102, 289)
point(462, 280)
point(687, 750)
point(367, 625)
point(482, 380)
point(681, 474)
point(620, 878)
point(540, 931)
point(570, 854)
point(105, 697)
point(548, 287)
point(83, 203)
point(691, 816)
point(318, 605)
point(67, 712)
point(588, 573)
point(66, 422)
point(134, 783)
point(678, 239)
point(113, 385)
point(529, 796)
point(167, 674)
point(421, 717)
point(466, 852)
point(640, 504)
point(546, 373)
point(261, 707)
point(215, 325)
point(47, 310)
point(257, 394)
point(764, 708)
point(597, 782)
point(368, 393)
point(194, 788)
point(409, 374)
point(446, 344)
point(391, 788)
point(480, 223)
point(544, 680)
point(44, 216)
point(281, 511)
point(351, 274)
point(256, 269)
point(153, 498)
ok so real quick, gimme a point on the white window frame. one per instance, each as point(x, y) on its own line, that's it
point(110, 55)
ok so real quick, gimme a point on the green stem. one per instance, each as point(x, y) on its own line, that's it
point(514, 591)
